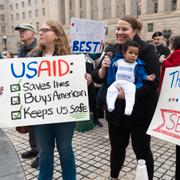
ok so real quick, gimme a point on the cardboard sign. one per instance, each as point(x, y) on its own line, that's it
point(166, 121)
point(87, 36)
point(43, 90)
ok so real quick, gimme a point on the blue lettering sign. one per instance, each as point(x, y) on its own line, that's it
point(175, 79)
point(23, 70)
point(85, 46)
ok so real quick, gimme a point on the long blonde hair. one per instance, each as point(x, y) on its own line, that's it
point(62, 46)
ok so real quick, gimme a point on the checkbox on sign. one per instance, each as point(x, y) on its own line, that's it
point(15, 87)
point(15, 100)
point(15, 115)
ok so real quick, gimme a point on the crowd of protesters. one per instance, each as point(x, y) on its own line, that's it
point(121, 125)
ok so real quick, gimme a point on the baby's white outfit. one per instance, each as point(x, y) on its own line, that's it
point(125, 79)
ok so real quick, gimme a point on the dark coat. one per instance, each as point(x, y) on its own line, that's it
point(162, 50)
point(92, 93)
point(146, 97)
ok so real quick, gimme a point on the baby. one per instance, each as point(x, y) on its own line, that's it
point(126, 76)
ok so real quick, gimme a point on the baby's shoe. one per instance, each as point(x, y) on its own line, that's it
point(110, 108)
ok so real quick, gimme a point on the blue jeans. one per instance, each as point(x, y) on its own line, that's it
point(46, 135)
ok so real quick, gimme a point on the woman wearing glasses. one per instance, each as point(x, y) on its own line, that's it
point(53, 41)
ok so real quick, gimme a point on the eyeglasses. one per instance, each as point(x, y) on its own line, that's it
point(45, 30)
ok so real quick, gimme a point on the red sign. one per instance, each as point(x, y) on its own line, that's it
point(171, 123)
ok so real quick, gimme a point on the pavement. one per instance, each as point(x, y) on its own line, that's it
point(92, 151)
point(10, 165)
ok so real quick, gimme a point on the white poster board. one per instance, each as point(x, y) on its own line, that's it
point(87, 36)
point(166, 121)
point(43, 90)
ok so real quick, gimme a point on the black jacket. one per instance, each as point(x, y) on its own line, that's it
point(146, 97)
point(162, 50)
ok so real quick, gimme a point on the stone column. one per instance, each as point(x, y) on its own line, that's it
point(53, 14)
point(88, 9)
point(161, 6)
point(67, 12)
point(100, 9)
point(127, 7)
point(143, 6)
point(77, 8)
point(178, 5)
point(113, 9)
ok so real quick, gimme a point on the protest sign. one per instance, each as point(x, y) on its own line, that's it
point(87, 36)
point(166, 121)
point(43, 90)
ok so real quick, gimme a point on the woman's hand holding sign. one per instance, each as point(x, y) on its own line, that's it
point(88, 77)
point(1, 90)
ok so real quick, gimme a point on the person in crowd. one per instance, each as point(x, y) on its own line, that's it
point(96, 58)
point(1, 56)
point(161, 50)
point(92, 93)
point(53, 41)
point(9, 54)
point(121, 127)
point(27, 36)
point(130, 75)
point(171, 61)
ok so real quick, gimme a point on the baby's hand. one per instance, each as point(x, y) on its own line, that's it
point(151, 77)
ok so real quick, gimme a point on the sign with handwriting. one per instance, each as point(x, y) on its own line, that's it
point(166, 121)
point(87, 36)
point(43, 90)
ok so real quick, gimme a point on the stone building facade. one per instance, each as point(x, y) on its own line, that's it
point(155, 15)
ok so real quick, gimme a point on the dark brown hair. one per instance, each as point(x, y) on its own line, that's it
point(135, 23)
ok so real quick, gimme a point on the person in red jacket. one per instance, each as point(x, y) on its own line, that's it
point(171, 61)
